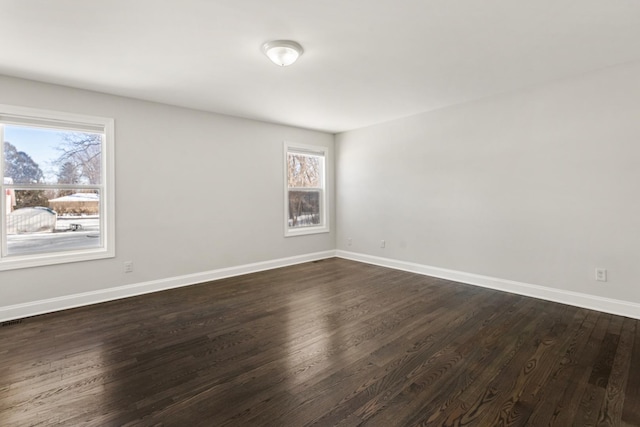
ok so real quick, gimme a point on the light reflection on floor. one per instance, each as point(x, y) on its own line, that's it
point(78, 372)
point(315, 337)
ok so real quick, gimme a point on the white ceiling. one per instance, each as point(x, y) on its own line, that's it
point(365, 61)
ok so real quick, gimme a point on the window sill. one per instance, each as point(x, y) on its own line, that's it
point(30, 261)
point(303, 231)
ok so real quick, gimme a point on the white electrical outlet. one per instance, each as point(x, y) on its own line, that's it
point(128, 266)
point(601, 274)
point(349, 241)
point(382, 243)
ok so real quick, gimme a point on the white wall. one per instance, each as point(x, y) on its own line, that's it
point(194, 192)
point(540, 186)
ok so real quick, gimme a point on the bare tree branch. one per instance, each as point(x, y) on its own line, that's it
point(84, 151)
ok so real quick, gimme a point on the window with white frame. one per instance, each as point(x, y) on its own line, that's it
point(305, 190)
point(57, 171)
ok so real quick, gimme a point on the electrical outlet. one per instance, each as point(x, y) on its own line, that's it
point(349, 241)
point(383, 243)
point(601, 274)
point(128, 266)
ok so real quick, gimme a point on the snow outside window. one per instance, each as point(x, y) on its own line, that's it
point(57, 171)
point(305, 195)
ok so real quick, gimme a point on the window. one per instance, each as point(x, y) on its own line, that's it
point(305, 195)
point(57, 171)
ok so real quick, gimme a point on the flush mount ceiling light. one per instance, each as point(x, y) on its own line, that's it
point(282, 52)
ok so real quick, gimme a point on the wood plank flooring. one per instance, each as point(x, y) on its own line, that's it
point(329, 343)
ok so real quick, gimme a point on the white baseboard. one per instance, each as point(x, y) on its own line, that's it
point(34, 308)
point(607, 305)
point(592, 302)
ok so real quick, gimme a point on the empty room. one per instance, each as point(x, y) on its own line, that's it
point(293, 213)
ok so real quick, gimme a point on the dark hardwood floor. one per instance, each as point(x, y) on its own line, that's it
point(327, 343)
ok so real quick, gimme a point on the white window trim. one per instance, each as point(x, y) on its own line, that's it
point(324, 199)
point(10, 114)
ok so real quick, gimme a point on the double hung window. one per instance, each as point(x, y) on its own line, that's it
point(305, 190)
point(57, 171)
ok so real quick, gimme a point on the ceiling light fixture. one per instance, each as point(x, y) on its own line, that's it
point(282, 52)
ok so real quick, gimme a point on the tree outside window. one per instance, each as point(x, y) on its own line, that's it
point(305, 190)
